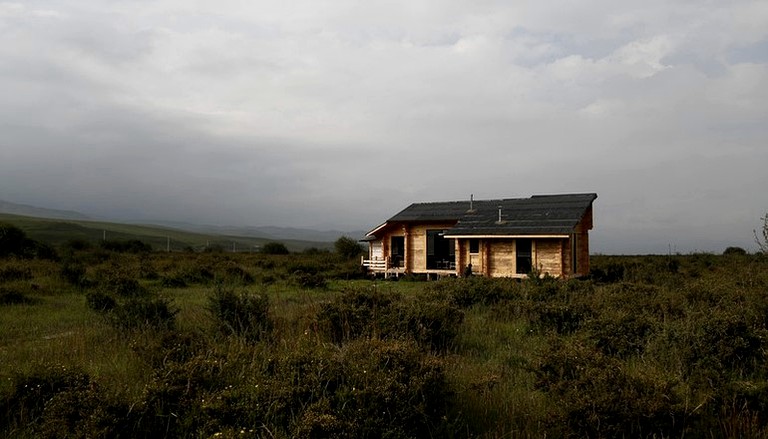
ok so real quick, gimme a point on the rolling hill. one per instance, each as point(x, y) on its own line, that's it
point(56, 231)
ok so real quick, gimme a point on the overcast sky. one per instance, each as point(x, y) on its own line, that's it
point(339, 113)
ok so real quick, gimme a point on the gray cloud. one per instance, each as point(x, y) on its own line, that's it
point(341, 114)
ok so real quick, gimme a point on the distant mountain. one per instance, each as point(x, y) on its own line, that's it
point(264, 232)
point(267, 232)
point(40, 212)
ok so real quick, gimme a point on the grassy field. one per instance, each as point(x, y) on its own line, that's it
point(105, 344)
point(58, 232)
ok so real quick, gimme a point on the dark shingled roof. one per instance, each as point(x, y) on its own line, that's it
point(537, 215)
point(440, 211)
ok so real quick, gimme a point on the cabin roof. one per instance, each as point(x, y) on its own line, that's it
point(539, 214)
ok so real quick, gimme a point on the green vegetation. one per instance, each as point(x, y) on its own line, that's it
point(348, 248)
point(117, 341)
point(60, 233)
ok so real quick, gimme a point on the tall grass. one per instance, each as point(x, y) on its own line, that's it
point(655, 346)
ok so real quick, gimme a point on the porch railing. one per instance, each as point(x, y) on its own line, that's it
point(374, 264)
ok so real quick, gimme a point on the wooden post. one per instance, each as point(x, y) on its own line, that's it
point(406, 250)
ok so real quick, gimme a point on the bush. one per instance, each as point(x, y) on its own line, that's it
point(245, 315)
point(10, 296)
point(309, 280)
point(77, 245)
point(368, 388)
point(562, 318)
point(126, 246)
point(389, 389)
point(274, 248)
point(434, 324)
point(13, 272)
point(14, 242)
point(122, 285)
point(597, 397)
point(468, 291)
point(144, 313)
point(734, 251)
point(231, 272)
point(715, 347)
point(100, 302)
point(73, 273)
point(355, 313)
point(348, 248)
point(31, 395)
point(621, 335)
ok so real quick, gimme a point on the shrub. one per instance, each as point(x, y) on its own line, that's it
point(611, 273)
point(174, 401)
point(173, 346)
point(245, 315)
point(198, 274)
point(10, 296)
point(122, 285)
point(348, 248)
point(309, 280)
point(369, 388)
point(390, 389)
point(434, 324)
point(715, 347)
point(126, 246)
point(557, 316)
point(734, 251)
point(73, 273)
point(77, 245)
point(274, 248)
point(173, 281)
point(231, 272)
point(144, 313)
point(597, 397)
point(621, 335)
point(14, 272)
point(468, 291)
point(100, 302)
point(14, 242)
point(32, 392)
point(354, 313)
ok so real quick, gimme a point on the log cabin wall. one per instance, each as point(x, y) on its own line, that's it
point(548, 257)
point(581, 233)
point(567, 257)
point(502, 258)
point(465, 257)
point(417, 250)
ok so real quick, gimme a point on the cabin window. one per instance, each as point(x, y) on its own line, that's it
point(524, 256)
point(397, 250)
point(474, 246)
point(440, 251)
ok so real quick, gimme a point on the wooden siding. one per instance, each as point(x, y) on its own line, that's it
point(502, 258)
point(415, 241)
point(548, 256)
point(417, 238)
point(464, 257)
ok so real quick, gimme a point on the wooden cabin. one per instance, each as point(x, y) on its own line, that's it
point(494, 238)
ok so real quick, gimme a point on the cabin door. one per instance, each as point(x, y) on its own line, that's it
point(397, 251)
